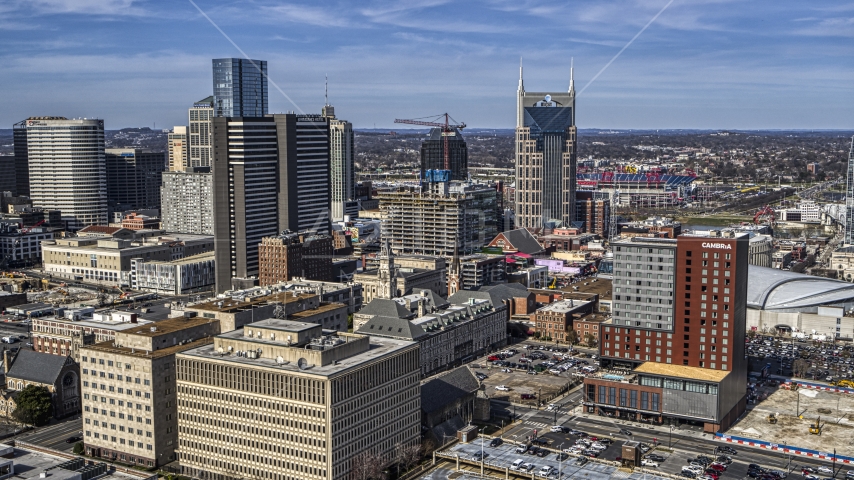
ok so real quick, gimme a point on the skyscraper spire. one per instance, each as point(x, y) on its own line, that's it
point(572, 76)
point(326, 93)
point(521, 84)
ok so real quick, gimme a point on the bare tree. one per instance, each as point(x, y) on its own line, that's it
point(367, 466)
point(407, 456)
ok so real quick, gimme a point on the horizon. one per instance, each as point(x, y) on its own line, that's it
point(667, 65)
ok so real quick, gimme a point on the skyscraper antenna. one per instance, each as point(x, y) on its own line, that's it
point(326, 94)
point(571, 74)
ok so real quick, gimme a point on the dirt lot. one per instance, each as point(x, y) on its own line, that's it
point(837, 419)
point(545, 385)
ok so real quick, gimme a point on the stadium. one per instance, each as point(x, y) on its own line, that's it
point(650, 189)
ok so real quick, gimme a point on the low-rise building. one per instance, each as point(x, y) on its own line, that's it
point(480, 269)
point(587, 328)
point(59, 374)
point(21, 247)
point(409, 273)
point(175, 277)
point(136, 221)
point(517, 241)
point(60, 335)
point(555, 321)
point(449, 401)
point(842, 260)
point(236, 311)
point(130, 400)
point(350, 294)
point(282, 400)
point(450, 336)
point(107, 259)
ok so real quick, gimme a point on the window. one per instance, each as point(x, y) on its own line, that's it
point(672, 384)
point(623, 397)
point(644, 401)
point(655, 400)
point(602, 390)
point(633, 399)
point(612, 395)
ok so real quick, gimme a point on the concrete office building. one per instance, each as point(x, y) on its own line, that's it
point(107, 260)
point(307, 255)
point(67, 171)
point(133, 178)
point(350, 294)
point(65, 334)
point(177, 149)
point(237, 311)
point(677, 332)
point(239, 87)
point(546, 148)
point(342, 176)
point(439, 218)
point(433, 154)
point(186, 201)
point(280, 400)
point(200, 133)
point(260, 189)
point(130, 403)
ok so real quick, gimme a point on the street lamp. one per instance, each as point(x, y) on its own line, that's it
point(560, 462)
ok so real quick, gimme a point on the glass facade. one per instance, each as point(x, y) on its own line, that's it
point(849, 199)
point(240, 87)
point(550, 124)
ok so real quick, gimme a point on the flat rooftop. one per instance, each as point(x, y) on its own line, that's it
point(599, 286)
point(323, 308)
point(171, 325)
point(283, 325)
point(107, 347)
point(379, 347)
point(564, 306)
point(228, 305)
point(29, 464)
point(92, 323)
point(681, 371)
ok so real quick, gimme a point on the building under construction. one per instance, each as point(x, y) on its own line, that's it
point(433, 219)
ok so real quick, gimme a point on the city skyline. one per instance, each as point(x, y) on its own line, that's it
point(697, 65)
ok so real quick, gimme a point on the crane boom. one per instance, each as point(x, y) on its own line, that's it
point(446, 127)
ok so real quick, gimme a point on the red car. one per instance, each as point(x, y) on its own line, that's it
point(712, 473)
point(718, 466)
point(493, 358)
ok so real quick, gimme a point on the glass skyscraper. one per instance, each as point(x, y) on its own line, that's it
point(849, 199)
point(240, 87)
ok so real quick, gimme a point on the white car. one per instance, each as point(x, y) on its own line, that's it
point(527, 467)
point(503, 388)
point(649, 463)
point(545, 471)
point(823, 469)
point(517, 464)
point(692, 469)
point(556, 429)
point(551, 407)
point(599, 446)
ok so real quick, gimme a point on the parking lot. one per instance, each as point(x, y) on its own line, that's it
point(823, 359)
point(530, 372)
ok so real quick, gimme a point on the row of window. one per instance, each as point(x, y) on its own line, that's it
point(629, 398)
point(121, 441)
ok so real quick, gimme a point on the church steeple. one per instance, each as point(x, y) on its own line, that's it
point(454, 274)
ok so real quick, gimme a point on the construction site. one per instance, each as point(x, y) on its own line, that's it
point(824, 420)
point(442, 216)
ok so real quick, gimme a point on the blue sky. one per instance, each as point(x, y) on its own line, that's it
point(701, 64)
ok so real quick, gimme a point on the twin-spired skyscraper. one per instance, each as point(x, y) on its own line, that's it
point(546, 149)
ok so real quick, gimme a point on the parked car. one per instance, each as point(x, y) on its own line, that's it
point(503, 388)
point(649, 463)
point(517, 465)
point(496, 442)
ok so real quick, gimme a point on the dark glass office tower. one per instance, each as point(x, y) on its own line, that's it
point(21, 167)
point(240, 87)
point(433, 154)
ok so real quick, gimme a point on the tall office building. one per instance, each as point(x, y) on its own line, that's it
point(133, 178)
point(177, 149)
point(677, 331)
point(545, 157)
point(239, 87)
point(849, 199)
point(186, 201)
point(261, 189)
point(67, 171)
point(285, 400)
point(433, 154)
point(201, 115)
point(342, 175)
point(21, 177)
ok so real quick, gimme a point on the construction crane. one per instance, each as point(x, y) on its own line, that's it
point(447, 130)
point(764, 214)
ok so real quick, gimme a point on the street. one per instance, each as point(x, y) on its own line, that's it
point(54, 436)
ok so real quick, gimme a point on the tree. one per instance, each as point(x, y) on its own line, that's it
point(367, 466)
point(34, 406)
point(78, 448)
point(407, 455)
point(590, 339)
point(572, 337)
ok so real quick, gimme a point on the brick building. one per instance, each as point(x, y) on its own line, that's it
point(593, 210)
point(555, 321)
point(678, 327)
point(307, 255)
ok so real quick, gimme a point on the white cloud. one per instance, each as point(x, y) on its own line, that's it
point(87, 7)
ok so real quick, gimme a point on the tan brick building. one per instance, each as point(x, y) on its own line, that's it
point(278, 400)
point(129, 390)
point(554, 321)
